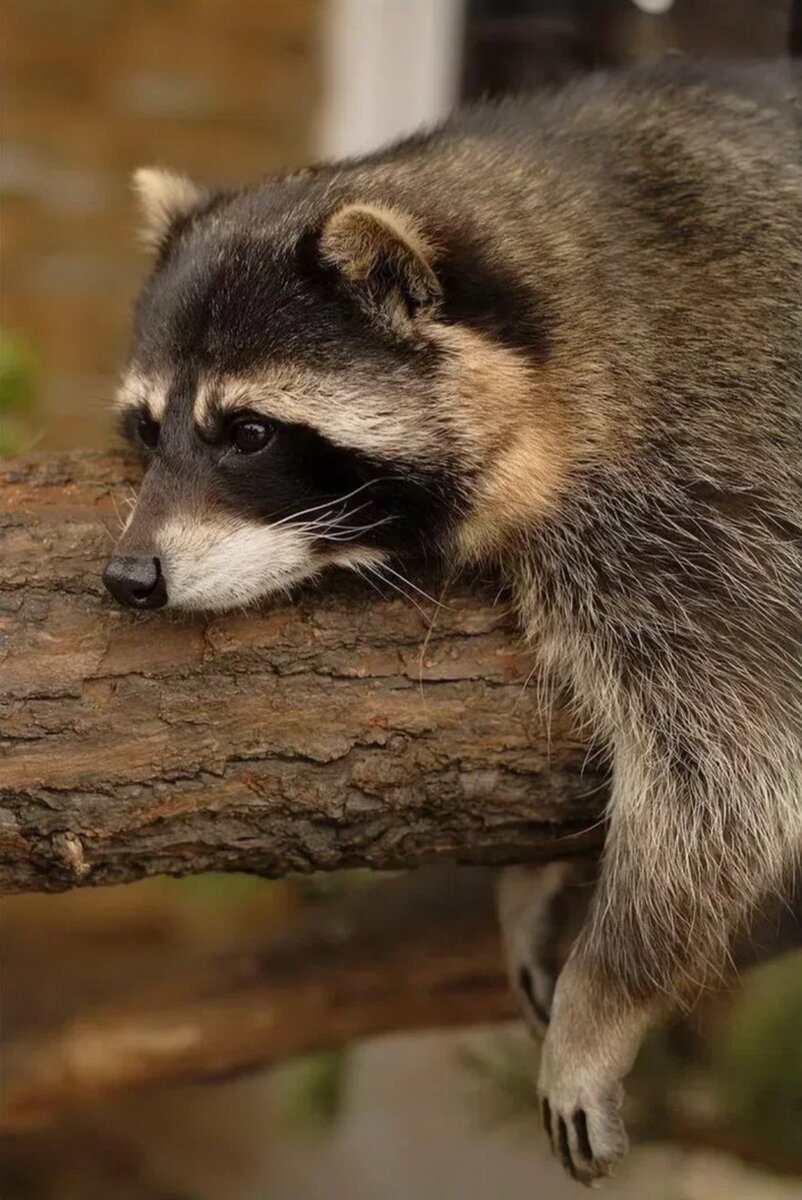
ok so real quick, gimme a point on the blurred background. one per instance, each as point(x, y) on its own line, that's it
point(227, 90)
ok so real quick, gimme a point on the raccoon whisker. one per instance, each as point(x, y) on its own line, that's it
point(325, 516)
point(108, 533)
point(350, 535)
point(536, 669)
point(422, 657)
point(335, 531)
point(331, 504)
point(117, 513)
point(116, 509)
point(358, 567)
point(329, 507)
point(414, 586)
point(374, 570)
point(361, 570)
point(337, 520)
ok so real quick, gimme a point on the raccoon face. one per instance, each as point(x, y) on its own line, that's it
point(297, 398)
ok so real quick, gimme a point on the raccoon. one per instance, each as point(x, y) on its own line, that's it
point(561, 335)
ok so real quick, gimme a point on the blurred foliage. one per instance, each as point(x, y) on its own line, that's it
point(219, 887)
point(311, 1090)
point(19, 384)
point(323, 885)
point(18, 374)
point(506, 1075)
point(231, 890)
point(757, 1056)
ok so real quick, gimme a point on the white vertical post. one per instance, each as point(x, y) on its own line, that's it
point(391, 67)
point(654, 7)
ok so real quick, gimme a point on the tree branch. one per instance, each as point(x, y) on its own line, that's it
point(420, 951)
point(342, 728)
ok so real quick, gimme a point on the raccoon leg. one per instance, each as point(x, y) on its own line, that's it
point(688, 858)
point(541, 910)
point(593, 1039)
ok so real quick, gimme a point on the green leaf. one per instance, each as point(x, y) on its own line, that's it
point(19, 375)
point(758, 1056)
point(312, 1089)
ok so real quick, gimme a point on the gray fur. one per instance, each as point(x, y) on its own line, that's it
point(616, 387)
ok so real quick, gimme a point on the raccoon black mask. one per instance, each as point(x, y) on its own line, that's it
point(276, 394)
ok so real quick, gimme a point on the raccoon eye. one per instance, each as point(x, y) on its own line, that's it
point(148, 432)
point(249, 435)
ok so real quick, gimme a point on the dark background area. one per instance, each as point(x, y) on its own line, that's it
point(512, 45)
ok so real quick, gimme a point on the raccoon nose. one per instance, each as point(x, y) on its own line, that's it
point(136, 582)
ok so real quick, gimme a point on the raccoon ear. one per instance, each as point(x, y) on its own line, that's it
point(164, 198)
point(385, 261)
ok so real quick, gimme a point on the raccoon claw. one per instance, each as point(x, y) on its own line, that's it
point(587, 1136)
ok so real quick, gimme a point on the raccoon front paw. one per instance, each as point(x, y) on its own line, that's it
point(582, 1120)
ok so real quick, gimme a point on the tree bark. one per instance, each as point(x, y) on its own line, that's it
point(340, 728)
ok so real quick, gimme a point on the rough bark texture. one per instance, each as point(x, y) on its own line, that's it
point(342, 728)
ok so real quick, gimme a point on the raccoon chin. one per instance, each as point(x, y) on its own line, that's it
point(213, 565)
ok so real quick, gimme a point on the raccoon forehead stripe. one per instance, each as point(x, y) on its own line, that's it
point(347, 414)
point(143, 391)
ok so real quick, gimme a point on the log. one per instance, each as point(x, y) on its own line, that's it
point(341, 728)
point(419, 951)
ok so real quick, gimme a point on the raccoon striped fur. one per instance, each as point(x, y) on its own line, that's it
point(562, 335)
